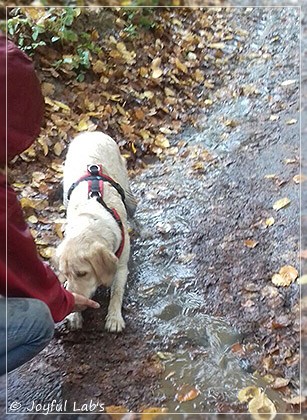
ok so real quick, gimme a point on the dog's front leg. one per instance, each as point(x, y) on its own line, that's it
point(75, 321)
point(114, 319)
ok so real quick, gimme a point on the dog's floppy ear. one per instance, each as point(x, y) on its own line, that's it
point(103, 262)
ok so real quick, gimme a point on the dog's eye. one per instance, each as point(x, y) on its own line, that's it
point(81, 273)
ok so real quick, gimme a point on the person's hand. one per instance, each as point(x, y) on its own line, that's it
point(81, 303)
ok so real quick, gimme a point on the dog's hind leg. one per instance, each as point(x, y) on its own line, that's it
point(114, 319)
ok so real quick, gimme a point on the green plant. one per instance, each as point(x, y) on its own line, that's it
point(54, 27)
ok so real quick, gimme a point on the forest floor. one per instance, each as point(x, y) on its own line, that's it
point(217, 177)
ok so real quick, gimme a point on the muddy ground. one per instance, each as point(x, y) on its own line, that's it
point(200, 308)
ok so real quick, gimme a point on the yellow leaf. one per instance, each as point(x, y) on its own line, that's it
point(248, 393)
point(199, 76)
point(151, 413)
point(114, 409)
point(56, 104)
point(58, 148)
point(279, 204)
point(133, 148)
point(216, 45)
point(26, 202)
point(32, 219)
point(145, 134)
point(169, 92)
point(287, 274)
point(250, 243)
point(43, 142)
point(47, 252)
point(57, 167)
point(148, 94)
point(180, 66)
point(270, 221)
point(58, 229)
point(262, 405)
point(83, 124)
point(161, 141)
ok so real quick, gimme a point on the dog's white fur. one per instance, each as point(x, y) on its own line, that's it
point(86, 257)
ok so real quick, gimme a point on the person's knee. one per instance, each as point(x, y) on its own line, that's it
point(44, 324)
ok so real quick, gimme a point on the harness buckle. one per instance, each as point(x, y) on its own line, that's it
point(93, 169)
point(94, 194)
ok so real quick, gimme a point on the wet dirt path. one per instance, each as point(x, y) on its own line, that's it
point(202, 314)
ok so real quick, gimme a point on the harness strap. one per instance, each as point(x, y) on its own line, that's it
point(95, 179)
point(94, 172)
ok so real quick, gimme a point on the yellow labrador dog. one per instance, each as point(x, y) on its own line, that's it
point(95, 250)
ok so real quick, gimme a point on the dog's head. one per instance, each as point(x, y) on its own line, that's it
point(85, 265)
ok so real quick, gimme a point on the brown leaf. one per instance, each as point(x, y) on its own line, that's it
point(186, 393)
point(250, 243)
point(180, 66)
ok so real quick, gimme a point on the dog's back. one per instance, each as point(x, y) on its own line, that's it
point(96, 148)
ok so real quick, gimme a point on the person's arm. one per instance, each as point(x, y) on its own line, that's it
point(27, 274)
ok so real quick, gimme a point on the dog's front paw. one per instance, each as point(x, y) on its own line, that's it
point(114, 322)
point(75, 321)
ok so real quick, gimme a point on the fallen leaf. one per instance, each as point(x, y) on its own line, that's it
point(56, 104)
point(280, 383)
point(248, 393)
point(279, 204)
point(262, 405)
point(48, 89)
point(291, 122)
point(58, 148)
point(165, 355)
point(288, 82)
point(180, 66)
point(27, 203)
point(270, 221)
point(116, 409)
point(250, 243)
point(186, 393)
point(216, 45)
point(32, 219)
point(47, 252)
point(274, 117)
point(299, 178)
point(289, 161)
point(162, 141)
point(156, 71)
point(83, 124)
point(303, 254)
point(287, 274)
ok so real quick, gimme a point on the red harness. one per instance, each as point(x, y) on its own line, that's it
point(95, 179)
